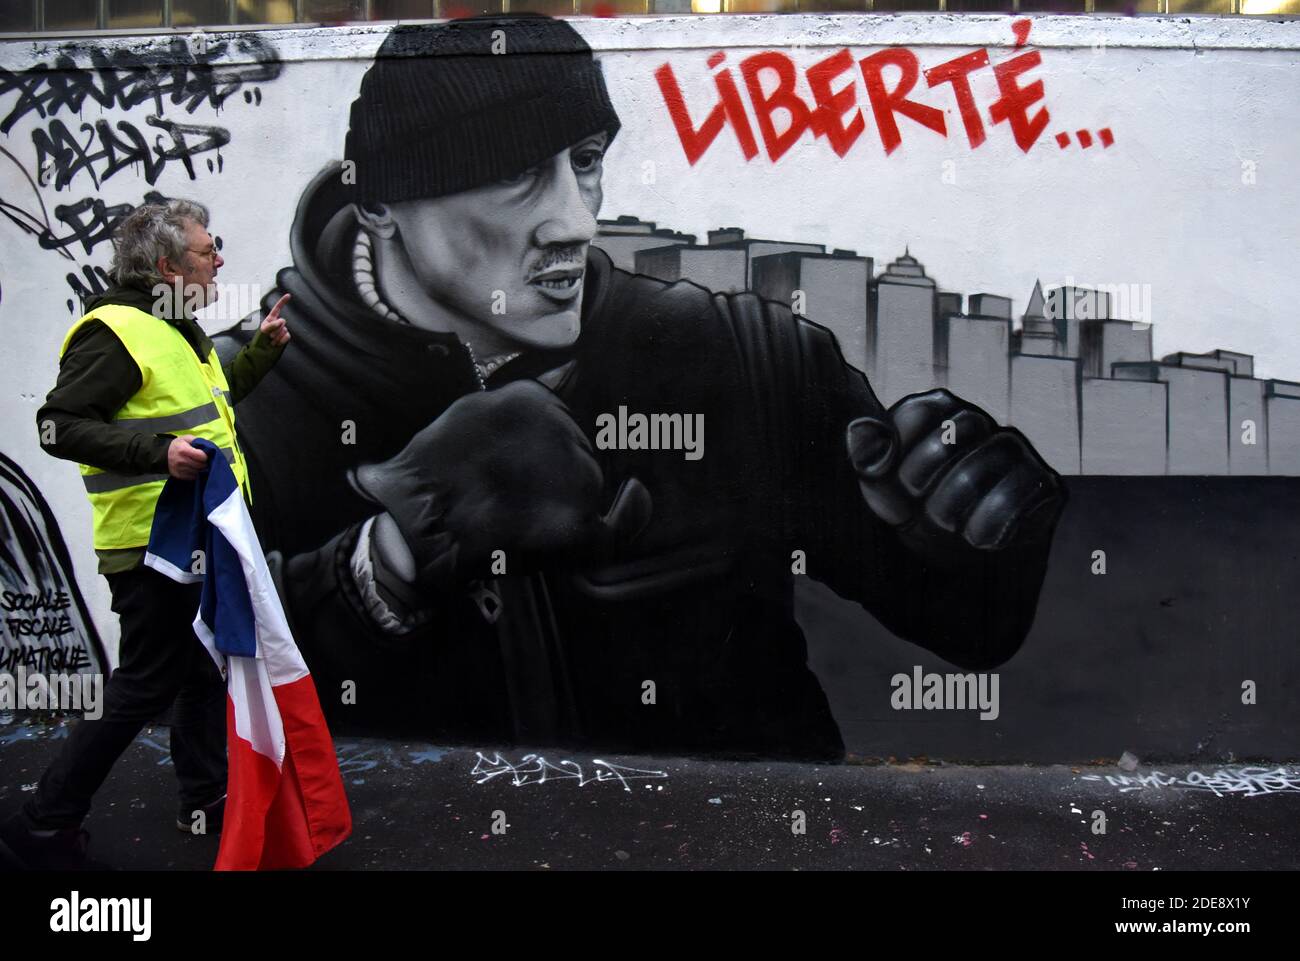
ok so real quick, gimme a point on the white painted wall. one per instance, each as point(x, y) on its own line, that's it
point(1192, 103)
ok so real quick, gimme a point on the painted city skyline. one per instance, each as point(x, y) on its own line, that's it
point(1082, 384)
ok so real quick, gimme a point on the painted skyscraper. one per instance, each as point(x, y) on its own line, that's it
point(900, 330)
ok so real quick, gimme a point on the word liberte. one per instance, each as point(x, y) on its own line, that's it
point(624, 431)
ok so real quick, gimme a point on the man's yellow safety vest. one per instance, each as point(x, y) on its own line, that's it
point(179, 394)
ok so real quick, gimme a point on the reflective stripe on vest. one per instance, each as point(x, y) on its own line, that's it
point(179, 394)
point(165, 425)
point(106, 481)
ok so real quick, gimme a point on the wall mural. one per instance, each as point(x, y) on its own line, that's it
point(590, 382)
point(44, 625)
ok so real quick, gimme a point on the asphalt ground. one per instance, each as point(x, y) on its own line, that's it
point(421, 806)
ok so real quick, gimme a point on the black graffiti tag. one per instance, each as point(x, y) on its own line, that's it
point(44, 659)
point(81, 74)
point(128, 78)
point(45, 613)
point(94, 280)
point(103, 150)
point(90, 221)
point(34, 601)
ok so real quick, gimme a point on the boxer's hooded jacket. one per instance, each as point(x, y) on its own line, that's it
point(702, 600)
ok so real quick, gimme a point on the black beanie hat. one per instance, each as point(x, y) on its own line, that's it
point(447, 107)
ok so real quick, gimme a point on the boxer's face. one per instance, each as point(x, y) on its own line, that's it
point(511, 256)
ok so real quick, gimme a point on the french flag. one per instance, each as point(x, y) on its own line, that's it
point(285, 803)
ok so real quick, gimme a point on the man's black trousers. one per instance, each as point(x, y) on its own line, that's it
point(161, 661)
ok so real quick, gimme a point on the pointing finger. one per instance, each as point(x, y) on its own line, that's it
point(274, 312)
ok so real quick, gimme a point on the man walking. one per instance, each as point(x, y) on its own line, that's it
point(138, 381)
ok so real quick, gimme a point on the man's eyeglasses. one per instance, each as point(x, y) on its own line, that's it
point(210, 253)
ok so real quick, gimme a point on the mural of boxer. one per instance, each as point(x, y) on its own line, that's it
point(472, 467)
point(832, 169)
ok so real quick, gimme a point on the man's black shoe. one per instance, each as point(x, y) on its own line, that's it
point(24, 847)
point(213, 814)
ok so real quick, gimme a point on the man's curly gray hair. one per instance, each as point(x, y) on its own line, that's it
point(149, 232)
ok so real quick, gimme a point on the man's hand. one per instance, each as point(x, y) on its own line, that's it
point(184, 460)
point(274, 326)
point(508, 470)
point(943, 473)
